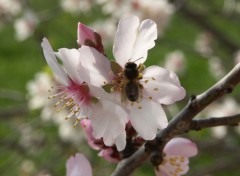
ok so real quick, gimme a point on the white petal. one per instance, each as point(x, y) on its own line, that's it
point(147, 33)
point(162, 85)
point(181, 147)
point(78, 165)
point(52, 62)
point(121, 141)
point(70, 59)
point(125, 38)
point(108, 121)
point(94, 67)
point(147, 117)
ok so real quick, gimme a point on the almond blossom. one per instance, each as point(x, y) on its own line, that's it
point(156, 85)
point(78, 165)
point(85, 101)
point(175, 162)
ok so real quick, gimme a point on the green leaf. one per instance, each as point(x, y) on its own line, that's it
point(116, 68)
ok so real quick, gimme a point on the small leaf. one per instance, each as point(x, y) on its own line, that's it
point(94, 100)
point(107, 88)
point(116, 68)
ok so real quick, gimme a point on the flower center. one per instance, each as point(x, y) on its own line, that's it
point(73, 98)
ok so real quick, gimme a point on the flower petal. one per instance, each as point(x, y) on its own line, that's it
point(52, 62)
point(147, 117)
point(89, 37)
point(147, 33)
point(94, 67)
point(125, 39)
point(78, 165)
point(109, 121)
point(85, 33)
point(181, 147)
point(70, 59)
point(162, 85)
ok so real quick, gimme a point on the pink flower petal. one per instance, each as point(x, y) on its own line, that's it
point(86, 124)
point(85, 33)
point(70, 59)
point(125, 38)
point(147, 117)
point(162, 84)
point(108, 122)
point(52, 62)
point(181, 147)
point(78, 165)
point(94, 67)
point(89, 37)
point(106, 154)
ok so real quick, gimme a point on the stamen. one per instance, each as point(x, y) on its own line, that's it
point(77, 121)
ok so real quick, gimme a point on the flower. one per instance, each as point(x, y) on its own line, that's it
point(85, 101)
point(78, 165)
point(156, 85)
point(175, 162)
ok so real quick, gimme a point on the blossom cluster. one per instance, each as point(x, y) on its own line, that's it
point(118, 102)
point(94, 87)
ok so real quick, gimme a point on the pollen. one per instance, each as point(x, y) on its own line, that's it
point(153, 79)
point(150, 98)
point(139, 107)
point(146, 81)
point(155, 89)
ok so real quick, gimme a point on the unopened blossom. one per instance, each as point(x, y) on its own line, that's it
point(177, 153)
point(82, 100)
point(89, 37)
point(78, 165)
point(159, 86)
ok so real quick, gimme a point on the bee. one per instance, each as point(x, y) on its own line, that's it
point(132, 75)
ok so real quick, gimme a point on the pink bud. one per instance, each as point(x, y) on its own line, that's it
point(89, 37)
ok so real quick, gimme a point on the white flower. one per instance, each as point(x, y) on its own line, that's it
point(83, 100)
point(175, 162)
point(158, 85)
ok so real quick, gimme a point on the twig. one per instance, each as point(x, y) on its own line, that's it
point(179, 124)
point(215, 121)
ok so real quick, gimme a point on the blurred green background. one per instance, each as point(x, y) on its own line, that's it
point(47, 153)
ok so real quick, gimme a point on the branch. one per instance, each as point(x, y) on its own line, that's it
point(214, 122)
point(180, 124)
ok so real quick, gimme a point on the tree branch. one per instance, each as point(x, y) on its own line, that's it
point(214, 122)
point(180, 124)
